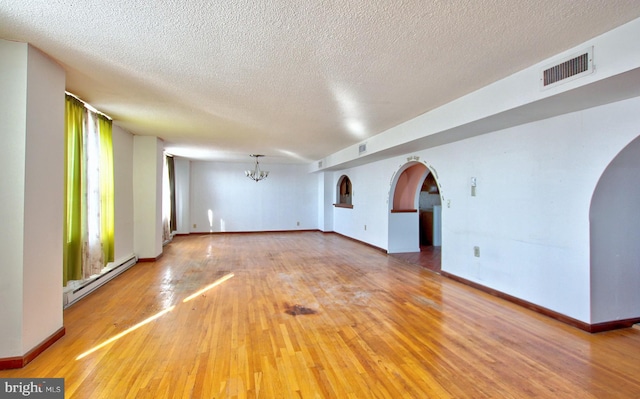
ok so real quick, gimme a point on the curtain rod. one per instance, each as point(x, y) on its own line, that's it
point(86, 104)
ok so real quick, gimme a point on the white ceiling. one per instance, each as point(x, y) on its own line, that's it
point(293, 80)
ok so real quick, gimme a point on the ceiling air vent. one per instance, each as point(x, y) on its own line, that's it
point(569, 69)
point(362, 148)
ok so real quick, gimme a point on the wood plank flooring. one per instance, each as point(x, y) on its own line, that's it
point(382, 328)
point(428, 257)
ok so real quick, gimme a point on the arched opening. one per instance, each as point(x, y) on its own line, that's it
point(344, 192)
point(614, 224)
point(415, 216)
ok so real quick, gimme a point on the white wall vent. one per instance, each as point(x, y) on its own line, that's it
point(568, 69)
point(362, 148)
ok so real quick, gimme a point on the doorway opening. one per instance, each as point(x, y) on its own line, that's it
point(614, 236)
point(415, 216)
point(430, 222)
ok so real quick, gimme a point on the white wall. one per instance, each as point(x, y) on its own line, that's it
point(286, 197)
point(32, 125)
point(123, 190)
point(530, 217)
point(370, 193)
point(615, 238)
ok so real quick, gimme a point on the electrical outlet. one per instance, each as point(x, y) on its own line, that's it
point(476, 252)
point(195, 225)
point(297, 223)
point(365, 226)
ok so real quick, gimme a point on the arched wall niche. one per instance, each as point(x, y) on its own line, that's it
point(344, 192)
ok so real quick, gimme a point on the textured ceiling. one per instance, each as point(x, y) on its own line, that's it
point(293, 80)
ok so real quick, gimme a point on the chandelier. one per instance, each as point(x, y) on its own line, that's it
point(256, 174)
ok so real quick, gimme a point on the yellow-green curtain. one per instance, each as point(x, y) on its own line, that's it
point(72, 248)
point(107, 222)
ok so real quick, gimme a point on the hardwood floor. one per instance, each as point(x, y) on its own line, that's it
point(379, 328)
point(428, 257)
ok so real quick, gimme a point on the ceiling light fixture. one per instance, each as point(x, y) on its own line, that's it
point(256, 174)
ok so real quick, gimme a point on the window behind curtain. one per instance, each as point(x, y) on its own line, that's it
point(89, 194)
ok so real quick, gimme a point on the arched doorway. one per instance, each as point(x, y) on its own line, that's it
point(614, 222)
point(415, 215)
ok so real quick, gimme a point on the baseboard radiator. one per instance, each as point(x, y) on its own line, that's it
point(73, 295)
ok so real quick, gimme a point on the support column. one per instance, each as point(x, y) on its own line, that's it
point(147, 197)
point(326, 198)
point(32, 180)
